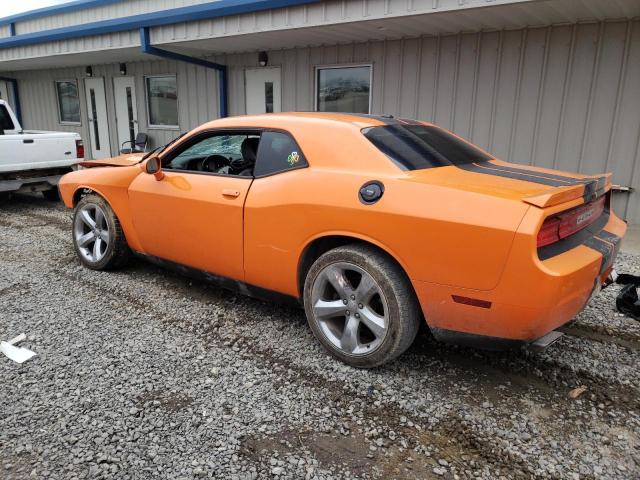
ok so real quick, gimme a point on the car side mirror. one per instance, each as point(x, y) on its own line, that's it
point(153, 167)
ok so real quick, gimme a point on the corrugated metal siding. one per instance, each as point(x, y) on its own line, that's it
point(345, 20)
point(114, 10)
point(565, 97)
point(130, 39)
point(341, 21)
point(337, 11)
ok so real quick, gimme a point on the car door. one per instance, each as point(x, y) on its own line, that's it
point(194, 215)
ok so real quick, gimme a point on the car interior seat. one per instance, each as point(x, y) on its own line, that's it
point(249, 150)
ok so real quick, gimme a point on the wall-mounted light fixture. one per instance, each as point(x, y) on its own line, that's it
point(89, 71)
point(263, 59)
point(123, 69)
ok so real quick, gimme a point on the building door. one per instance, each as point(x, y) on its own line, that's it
point(263, 91)
point(4, 91)
point(97, 113)
point(124, 90)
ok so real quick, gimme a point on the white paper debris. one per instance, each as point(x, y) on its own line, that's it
point(17, 354)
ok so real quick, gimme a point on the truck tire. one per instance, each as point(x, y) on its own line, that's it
point(97, 235)
point(361, 305)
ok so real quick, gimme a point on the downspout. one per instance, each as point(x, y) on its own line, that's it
point(145, 46)
point(16, 97)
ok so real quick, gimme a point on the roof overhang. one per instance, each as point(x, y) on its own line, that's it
point(247, 33)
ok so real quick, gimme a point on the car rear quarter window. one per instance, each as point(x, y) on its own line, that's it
point(416, 146)
point(277, 152)
point(5, 119)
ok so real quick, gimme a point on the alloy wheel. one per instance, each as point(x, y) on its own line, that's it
point(350, 308)
point(91, 232)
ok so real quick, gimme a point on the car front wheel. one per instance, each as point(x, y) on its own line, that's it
point(97, 235)
point(361, 305)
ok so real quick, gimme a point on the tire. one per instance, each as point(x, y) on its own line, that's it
point(391, 314)
point(52, 195)
point(107, 230)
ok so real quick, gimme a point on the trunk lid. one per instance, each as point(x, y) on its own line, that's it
point(532, 185)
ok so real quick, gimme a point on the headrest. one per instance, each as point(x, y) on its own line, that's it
point(249, 148)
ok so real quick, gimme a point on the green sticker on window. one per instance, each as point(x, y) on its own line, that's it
point(293, 158)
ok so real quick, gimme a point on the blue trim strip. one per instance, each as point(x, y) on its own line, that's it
point(221, 8)
point(12, 29)
point(145, 45)
point(56, 9)
point(16, 97)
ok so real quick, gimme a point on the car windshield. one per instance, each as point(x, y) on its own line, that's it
point(162, 148)
point(417, 146)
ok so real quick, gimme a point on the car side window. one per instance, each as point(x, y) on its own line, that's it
point(278, 152)
point(222, 154)
point(5, 119)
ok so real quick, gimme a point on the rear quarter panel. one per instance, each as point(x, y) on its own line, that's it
point(438, 234)
point(111, 183)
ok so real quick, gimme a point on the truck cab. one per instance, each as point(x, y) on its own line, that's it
point(9, 124)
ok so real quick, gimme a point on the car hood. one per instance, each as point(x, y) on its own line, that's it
point(125, 160)
point(536, 186)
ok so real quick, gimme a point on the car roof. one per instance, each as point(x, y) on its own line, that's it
point(290, 119)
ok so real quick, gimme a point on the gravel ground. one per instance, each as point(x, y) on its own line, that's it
point(145, 374)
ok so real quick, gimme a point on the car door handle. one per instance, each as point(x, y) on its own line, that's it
point(28, 140)
point(227, 192)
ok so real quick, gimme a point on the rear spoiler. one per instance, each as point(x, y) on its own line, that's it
point(592, 188)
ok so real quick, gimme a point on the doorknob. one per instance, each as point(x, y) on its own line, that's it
point(227, 192)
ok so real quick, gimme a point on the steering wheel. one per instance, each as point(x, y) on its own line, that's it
point(212, 163)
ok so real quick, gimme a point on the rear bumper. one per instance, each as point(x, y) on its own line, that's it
point(533, 297)
point(33, 180)
point(34, 184)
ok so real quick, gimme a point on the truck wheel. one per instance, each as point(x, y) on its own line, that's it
point(97, 235)
point(51, 195)
point(361, 306)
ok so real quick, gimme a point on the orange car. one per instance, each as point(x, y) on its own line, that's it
point(374, 224)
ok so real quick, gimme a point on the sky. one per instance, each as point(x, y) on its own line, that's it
point(13, 7)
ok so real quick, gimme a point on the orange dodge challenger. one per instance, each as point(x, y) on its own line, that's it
point(374, 224)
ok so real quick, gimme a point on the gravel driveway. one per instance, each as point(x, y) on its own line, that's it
point(145, 374)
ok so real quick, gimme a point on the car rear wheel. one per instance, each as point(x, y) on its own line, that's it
point(361, 306)
point(97, 235)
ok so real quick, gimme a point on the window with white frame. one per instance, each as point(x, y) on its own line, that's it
point(68, 101)
point(162, 101)
point(343, 89)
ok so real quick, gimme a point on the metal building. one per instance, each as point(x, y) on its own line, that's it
point(554, 83)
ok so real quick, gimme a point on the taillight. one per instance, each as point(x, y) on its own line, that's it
point(79, 149)
point(549, 232)
point(565, 224)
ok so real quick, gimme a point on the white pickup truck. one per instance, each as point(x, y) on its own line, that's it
point(32, 161)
